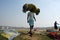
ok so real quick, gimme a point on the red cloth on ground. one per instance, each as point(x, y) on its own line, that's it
point(53, 33)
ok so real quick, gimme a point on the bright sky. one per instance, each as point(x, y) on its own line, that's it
point(11, 13)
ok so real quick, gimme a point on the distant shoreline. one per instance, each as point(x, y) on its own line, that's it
point(10, 27)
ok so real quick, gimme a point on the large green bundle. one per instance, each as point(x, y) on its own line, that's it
point(31, 8)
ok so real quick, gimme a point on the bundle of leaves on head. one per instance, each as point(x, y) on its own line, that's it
point(31, 8)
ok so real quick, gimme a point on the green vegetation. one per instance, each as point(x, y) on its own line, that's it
point(3, 38)
point(24, 36)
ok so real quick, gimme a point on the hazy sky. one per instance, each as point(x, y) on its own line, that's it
point(11, 13)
